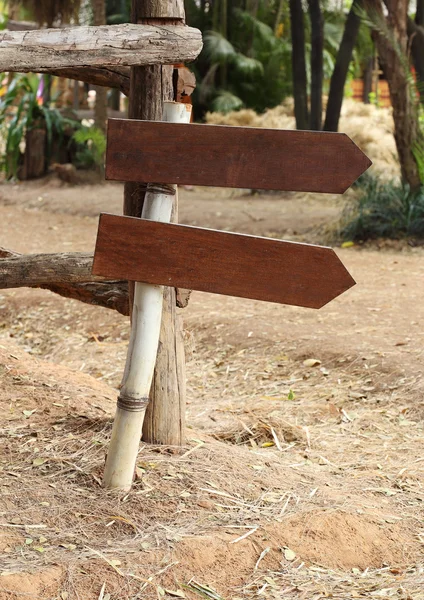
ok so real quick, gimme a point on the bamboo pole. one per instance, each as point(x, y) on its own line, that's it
point(151, 86)
point(144, 340)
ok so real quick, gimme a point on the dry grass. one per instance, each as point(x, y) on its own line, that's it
point(288, 471)
point(297, 481)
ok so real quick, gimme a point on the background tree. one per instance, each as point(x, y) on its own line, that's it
point(49, 12)
point(317, 66)
point(416, 42)
point(343, 60)
point(100, 111)
point(391, 36)
point(300, 87)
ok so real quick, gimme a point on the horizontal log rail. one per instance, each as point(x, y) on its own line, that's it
point(112, 77)
point(105, 46)
point(67, 274)
point(70, 276)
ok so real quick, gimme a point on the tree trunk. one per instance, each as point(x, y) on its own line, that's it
point(368, 79)
point(35, 162)
point(338, 78)
point(149, 87)
point(419, 15)
point(299, 65)
point(395, 67)
point(100, 110)
point(317, 73)
point(416, 42)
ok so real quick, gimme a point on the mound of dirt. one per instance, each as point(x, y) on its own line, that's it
point(341, 540)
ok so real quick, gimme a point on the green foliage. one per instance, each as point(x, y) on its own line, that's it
point(244, 62)
point(247, 59)
point(118, 11)
point(19, 113)
point(225, 101)
point(91, 147)
point(48, 11)
point(383, 210)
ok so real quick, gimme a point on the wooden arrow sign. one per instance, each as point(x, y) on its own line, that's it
point(241, 157)
point(218, 262)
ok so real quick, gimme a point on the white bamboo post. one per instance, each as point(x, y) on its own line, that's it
point(144, 340)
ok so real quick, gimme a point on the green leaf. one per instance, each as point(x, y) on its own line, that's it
point(226, 101)
point(216, 47)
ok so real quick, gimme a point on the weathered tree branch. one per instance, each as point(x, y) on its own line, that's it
point(105, 46)
point(106, 76)
point(69, 275)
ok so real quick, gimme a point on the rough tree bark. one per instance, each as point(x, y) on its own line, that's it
point(104, 46)
point(67, 274)
point(150, 87)
point(317, 69)
point(395, 65)
point(100, 109)
point(299, 65)
point(416, 42)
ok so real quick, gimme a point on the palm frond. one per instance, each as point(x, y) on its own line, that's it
point(246, 65)
point(216, 47)
point(259, 28)
point(225, 102)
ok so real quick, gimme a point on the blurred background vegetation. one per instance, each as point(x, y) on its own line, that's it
point(307, 56)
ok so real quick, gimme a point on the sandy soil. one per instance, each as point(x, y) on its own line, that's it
point(322, 465)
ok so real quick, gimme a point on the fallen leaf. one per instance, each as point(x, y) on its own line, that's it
point(175, 593)
point(311, 362)
point(28, 413)
point(68, 546)
point(289, 554)
point(37, 462)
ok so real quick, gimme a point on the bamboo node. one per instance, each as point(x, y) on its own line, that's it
point(131, 404)
point(161, 188)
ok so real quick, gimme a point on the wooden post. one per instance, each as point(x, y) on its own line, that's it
point(143, 347)
point(149, 87)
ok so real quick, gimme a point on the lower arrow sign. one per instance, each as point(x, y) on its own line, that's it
point(219, 262)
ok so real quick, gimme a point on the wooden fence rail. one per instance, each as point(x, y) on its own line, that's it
point(106, 46)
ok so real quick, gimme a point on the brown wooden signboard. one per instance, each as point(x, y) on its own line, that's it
point(243, 157)
point(218, 262)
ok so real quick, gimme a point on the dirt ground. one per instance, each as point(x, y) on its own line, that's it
point(302, 476)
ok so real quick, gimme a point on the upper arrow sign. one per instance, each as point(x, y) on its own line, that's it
point(218, 262)
point(241, 157)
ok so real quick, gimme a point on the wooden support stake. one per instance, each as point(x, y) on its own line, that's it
point(143, 346)
point(151, 86)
